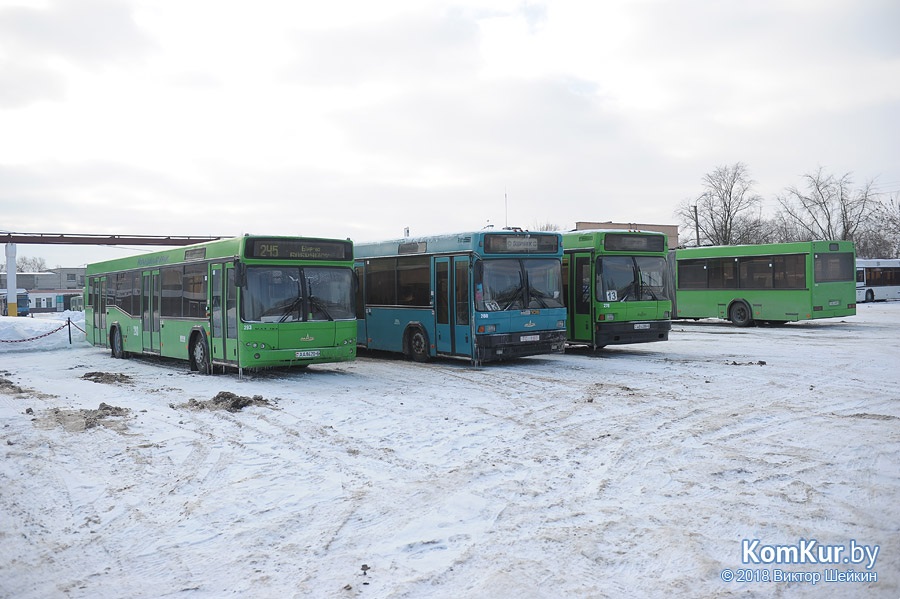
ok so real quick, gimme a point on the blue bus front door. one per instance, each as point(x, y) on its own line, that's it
point(441, 286)
point(453, 314)
point(461, 304)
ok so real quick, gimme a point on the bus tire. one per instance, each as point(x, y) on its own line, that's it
point(740, 315)
point(200, 355)
point(117, 348)
point(417, 344)
point(870, 295)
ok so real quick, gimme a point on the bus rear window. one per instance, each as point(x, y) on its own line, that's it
point(839, 266)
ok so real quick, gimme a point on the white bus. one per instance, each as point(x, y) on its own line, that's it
point(877, 280)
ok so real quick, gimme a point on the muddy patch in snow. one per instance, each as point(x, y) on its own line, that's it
point(107, 378)
point(8, 387)
point(225, 400)
point(111, 417)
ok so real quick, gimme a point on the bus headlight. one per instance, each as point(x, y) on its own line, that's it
point(560, 324)
point(487, 328)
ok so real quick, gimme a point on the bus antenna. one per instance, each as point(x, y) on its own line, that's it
point(505, 209)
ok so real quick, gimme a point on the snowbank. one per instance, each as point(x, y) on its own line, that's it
point(42, 332)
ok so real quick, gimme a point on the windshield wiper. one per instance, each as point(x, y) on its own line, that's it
point(291, 307)
point(320, 305)
point(510, 297)
point(539, 296)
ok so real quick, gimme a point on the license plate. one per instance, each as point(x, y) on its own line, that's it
point(641, 326)
point(307, 354)
point(834, 303)
point(530, 338)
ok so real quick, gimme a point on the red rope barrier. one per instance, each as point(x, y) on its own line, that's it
point(38, 337)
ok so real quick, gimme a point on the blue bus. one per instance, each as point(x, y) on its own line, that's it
point(23, 303)
point(486, 295)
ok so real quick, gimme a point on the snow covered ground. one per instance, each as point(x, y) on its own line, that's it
point(634, 472)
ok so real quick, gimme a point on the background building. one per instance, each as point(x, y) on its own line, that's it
point(53, 290)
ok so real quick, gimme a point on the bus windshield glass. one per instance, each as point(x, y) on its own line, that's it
point(292, 294)
point(631, 279)
point(518, 284)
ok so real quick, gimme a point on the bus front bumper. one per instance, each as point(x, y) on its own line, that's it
point(618, 333)
point(507, 346)
point(297, 357)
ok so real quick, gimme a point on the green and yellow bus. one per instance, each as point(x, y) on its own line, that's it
point(247, 302)
point(615, 287)
point(773, 283)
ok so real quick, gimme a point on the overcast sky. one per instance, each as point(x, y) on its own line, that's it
point(360, 118)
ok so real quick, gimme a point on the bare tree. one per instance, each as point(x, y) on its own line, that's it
point(26, 264)
point(547, 226)
point(879, 236)
point(828, 207)
point(726, 212)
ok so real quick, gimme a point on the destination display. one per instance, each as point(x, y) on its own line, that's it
point(622, 242)
point(521, 244)
point(294, 249)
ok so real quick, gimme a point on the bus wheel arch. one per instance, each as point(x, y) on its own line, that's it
point(739, 313)
point(116, 344)
point(870, 295)
point(415, 344)
point(198, 349)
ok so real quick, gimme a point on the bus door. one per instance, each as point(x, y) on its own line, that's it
point(361, 329)
point(98, 300)
point(217, 312)
point(441, 286)
point(461, 307)
point(150, 299)
point(453, 313)
point(231, 311)
point(581, 285)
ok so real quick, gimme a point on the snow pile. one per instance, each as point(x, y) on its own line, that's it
point(42, 332)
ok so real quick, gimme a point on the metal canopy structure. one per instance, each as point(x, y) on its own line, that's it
point(88, 239)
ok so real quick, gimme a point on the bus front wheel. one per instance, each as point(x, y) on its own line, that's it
point(116, 345)
point(417, 344)
point(200, 356)
point(740, 314)
point(870, 296)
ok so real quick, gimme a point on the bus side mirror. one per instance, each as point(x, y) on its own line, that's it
point(240, 273)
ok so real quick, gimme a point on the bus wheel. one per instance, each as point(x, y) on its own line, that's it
point(740, 314)
point(417, 343)
point(118, 348)
point(200, 355)
point(870, 296)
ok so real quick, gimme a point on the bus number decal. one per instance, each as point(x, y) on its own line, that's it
point(268, 250)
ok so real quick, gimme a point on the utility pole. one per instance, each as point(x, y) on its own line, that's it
point(696, 225)
point(12, 292)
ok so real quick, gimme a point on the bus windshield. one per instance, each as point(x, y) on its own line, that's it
point(631, 278)
point(295, 294)
point(518, 284)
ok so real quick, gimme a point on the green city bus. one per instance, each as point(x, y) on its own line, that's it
point(247, 302)
point(615, 287)
point(773, 283)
